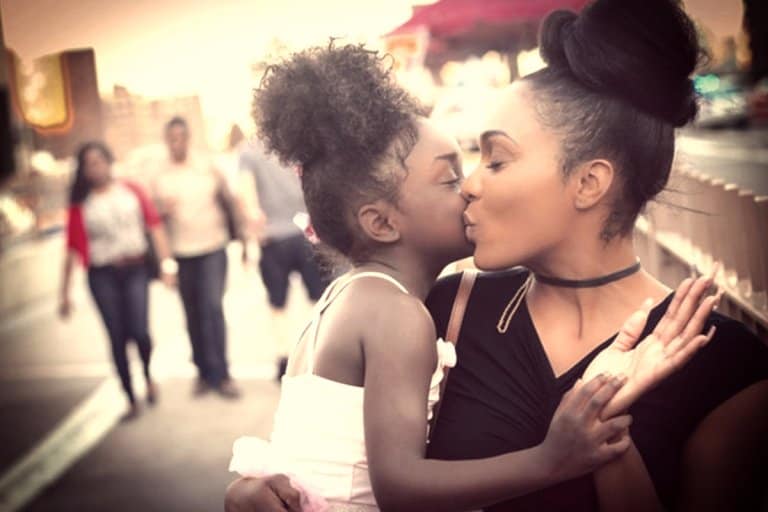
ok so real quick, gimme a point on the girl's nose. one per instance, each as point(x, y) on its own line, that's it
point(471, 187)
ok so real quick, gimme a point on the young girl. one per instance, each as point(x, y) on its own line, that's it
point(381, 186)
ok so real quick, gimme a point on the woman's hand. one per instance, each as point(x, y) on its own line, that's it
point(65, 307)
point(578, 442)
point(672, 343)
point(269, 494)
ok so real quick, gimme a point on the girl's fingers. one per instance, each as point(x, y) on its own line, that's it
point(595, 404)
point(612, 428)
point(581, 393)
point(283, 489)
point(608, 452)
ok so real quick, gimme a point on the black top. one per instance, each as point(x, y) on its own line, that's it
point(503, 392)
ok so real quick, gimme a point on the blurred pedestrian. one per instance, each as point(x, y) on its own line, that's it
point(198, 208)
point(284, 248)
point(109, 227)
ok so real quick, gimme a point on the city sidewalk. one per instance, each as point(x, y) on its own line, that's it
point(60, 404)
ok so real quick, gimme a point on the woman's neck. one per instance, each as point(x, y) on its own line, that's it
point(102, 187)
point(589, 262)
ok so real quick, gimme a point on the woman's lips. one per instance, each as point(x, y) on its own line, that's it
point(469, 227)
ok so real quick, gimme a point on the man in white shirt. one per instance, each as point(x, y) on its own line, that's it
point(190, 195)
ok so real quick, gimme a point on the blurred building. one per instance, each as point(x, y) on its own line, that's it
point(56, 98)
point(132, 121)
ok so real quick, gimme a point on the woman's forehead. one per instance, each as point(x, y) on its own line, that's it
point(512, 111)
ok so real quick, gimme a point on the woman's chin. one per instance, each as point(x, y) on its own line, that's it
point(491, 262)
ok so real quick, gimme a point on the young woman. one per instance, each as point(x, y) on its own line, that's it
point(107, 231)
point(381, 186)
point(570, 156)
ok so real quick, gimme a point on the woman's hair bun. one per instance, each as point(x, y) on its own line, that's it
point(553, 36)
point(642, 51)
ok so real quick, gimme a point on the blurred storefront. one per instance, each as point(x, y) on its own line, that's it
point(54, 105)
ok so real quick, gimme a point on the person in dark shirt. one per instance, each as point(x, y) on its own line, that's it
point(570, 156)
point(501, 394)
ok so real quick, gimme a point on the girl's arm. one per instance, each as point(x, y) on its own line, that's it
point(724, 463)
point(624, 485)
point(399, 361)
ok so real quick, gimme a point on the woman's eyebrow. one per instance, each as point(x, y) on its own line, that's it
point(485, 137)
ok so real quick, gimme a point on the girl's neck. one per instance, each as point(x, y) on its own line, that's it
point(416, 277)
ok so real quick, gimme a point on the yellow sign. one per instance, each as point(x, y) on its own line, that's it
point(41, 91)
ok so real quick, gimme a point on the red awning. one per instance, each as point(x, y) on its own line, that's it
point(448, 18)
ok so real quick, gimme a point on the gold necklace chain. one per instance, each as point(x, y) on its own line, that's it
point(513, 305)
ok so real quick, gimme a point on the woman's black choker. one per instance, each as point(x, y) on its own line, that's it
point(589, 283)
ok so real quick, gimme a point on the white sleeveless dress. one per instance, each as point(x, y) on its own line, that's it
point(318, 437)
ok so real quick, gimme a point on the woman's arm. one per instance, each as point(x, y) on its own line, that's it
point(399, 360)
point(167, 265)
point(65, 299)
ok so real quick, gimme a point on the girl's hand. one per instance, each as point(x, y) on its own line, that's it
point(673, 342)
point(268, 494)
point(578, 442)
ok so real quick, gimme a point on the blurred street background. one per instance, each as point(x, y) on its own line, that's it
point(118, 71)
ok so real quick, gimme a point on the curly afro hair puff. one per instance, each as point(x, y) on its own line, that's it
point(337, 112)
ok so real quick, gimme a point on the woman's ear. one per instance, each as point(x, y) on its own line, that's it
point(376, 222)
point(593, 180)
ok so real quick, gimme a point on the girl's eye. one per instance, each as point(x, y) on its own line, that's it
point(453, 183)
point(495, 165)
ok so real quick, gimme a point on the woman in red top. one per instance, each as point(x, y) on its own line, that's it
point(107, 231)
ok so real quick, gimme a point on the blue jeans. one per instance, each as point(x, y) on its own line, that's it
point(121, 294)
point(201, 284)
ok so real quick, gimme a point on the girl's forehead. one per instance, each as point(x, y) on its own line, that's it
point(433, 141)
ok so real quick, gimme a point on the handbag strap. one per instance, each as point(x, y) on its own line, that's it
point(460, 302)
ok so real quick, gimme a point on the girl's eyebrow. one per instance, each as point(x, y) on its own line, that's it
point(452, 157)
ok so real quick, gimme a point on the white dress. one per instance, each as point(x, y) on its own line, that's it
point(318, 437)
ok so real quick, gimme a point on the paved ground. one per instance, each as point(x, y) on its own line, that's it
point(63, 445)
